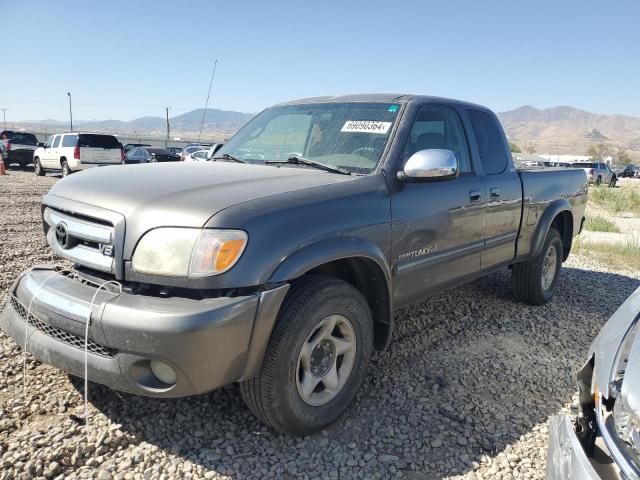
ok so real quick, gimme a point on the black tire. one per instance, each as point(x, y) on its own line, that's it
point(65, 169)
point(613, 182)
point(273, 396)
point(598, 180)
point(527, 277)
point(37, 167)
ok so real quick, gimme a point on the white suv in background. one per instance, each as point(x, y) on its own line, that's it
point(70, 152)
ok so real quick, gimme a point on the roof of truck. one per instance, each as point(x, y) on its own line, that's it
point(377, 97)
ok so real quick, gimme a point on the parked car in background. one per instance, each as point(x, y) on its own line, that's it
point(150, 155)
point(598, 173)
point(176, 150)
point(630, 171)
point(281, 268)
point(129, 146)
point(71, 152)
point(185, 155)
point(604, 442)
point(17, 147)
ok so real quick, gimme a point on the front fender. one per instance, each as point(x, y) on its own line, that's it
point(311, 256)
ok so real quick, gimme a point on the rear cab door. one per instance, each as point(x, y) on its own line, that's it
point(96, 149)
point(502, 182)
point(438, 226)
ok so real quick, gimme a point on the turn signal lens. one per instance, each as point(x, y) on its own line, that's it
point(216, 251)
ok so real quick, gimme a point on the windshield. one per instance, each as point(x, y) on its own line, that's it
point(348, 135)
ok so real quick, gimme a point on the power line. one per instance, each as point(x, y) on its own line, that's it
point(208, 94)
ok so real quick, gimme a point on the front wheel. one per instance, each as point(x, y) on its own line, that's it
point(317, 358)
point(37, 167)
point(613, 182)
point(598, 180)
point(534, 282)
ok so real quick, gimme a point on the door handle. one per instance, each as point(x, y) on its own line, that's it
point(494, 192)
point(475, 195)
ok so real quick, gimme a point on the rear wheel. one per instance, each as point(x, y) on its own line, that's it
point(598, 180)
point(613, 182)
point(37, 167)
point(317, 358)
point(534, 282)
point(65, 169)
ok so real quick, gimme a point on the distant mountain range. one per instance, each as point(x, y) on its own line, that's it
point(223, 121)
point(550, 130)
point(569, 130)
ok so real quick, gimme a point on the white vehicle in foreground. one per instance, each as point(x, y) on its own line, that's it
point(71, 152)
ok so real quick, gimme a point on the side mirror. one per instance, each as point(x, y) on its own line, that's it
point(40, 144)
point(431, 164)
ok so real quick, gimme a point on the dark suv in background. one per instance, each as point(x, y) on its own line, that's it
point(17, 147)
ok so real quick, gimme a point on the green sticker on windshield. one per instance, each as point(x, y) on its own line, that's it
point(393, 108)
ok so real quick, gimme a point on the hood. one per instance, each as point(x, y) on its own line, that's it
point(179, 194)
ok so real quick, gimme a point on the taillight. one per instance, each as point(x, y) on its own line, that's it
point(591, 171)
point(76, 153)
point(7, 146)
point(122, 155)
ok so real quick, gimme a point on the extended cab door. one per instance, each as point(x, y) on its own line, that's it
point(502, 182)
point(438, 226)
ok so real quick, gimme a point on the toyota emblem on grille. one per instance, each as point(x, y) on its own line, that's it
point(62, 236)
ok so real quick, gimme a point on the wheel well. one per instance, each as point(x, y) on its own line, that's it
point(563, 223)
point(62, 159)
point(367, 277)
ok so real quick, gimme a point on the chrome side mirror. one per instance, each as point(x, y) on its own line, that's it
point(431, 164)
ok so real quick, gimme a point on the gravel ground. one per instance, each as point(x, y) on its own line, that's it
point(464, 391)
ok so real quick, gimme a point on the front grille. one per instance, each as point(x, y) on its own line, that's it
point(83, 240)
point(59, 334)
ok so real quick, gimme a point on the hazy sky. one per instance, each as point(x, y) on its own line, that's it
point(126, 59)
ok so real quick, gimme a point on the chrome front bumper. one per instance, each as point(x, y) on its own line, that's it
point(208, 343)
point(566, 459)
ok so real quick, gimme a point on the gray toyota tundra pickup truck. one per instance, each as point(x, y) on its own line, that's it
point(280, 263)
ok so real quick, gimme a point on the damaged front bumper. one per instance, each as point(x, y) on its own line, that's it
point(207, 343)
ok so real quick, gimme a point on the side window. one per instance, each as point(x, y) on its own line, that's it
point(493, 152)
point(69, 140)
point(438, 127)
point(49, 142)
point(133, 153)
point(56, 141)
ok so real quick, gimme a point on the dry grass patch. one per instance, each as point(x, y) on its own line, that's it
point(616, 200)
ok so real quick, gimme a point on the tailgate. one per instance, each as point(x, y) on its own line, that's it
point(106, 156)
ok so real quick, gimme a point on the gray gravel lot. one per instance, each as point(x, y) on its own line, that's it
point(464, 391)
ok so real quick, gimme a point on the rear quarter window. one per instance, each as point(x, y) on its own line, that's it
point(490, 141)
point(98, 141)
point(69, 140)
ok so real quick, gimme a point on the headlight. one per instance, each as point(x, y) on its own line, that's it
point(188, 252)
point(627, 423)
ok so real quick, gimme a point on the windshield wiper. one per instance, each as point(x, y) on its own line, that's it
point(311, 163)
point(226, 156)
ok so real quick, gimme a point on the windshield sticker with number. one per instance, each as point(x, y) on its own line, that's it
point(366, 126)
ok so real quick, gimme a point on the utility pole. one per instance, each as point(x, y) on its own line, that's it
point(70, 111)
point(166, 142)
point(4, 117)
